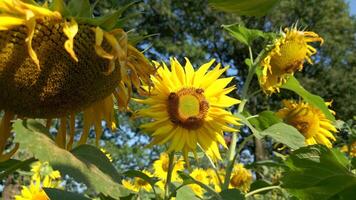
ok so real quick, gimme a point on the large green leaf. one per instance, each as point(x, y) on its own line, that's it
point(10, 166)
point(232, 194)
point(243, 34)
point(57, 194)
point(315, 100)
point(285, 134)
point(185, 193)
point(80, 8)
point(264, 120)
point(245, 121)
point(316, 172)
point(44, 148)
point(244, 7)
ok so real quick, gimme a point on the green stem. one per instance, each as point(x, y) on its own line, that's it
point(261, 190)
point(169, 175)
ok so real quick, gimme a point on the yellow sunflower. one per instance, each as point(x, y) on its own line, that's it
point(289, 52)
point(214, 178)
point(188, 107)
point(241, 178)
point(137, 183)
point(32, 192)
point(43, 172)
point(310, 121)
point(56, 61)
point(352, 149)
point(160, 167)
point(201, 176)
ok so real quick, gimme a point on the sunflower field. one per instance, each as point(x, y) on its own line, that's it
point(185, 100)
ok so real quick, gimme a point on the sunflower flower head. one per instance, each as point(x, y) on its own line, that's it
point(188, 107)
point(310, 121)
point(287, 56)
point(33, 192)
point(201, 176)
point(43, 172)
point(57, 59)
point(241, 178)
point(161, 165)
point(350, 149)
point(215, 178)
point(137, 183)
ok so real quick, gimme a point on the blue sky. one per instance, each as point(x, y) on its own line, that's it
point(352, 6)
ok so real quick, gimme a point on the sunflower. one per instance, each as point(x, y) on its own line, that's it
point(161, 165)
point(57, 60)
point(138, 184)
point(201, 176)
point(43, 172)
point(241, 178)
point(215, 179)
point(287, 56)
point(188, 107)
point(310, 121)
point(32, 192)
point(352, 149)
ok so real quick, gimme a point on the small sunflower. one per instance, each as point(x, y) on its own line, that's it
point(160, 167)
point(32, 192)
point(352, 149)
point(201, 176)
point(215, 178)
point(310, 121)
point(137, 183)
point(43, 172)
point(56, 61)
point(289, 52)
point(188, 107)
point(241, 178)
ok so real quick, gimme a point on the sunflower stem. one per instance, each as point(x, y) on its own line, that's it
point(262, 189)
point(169, 175)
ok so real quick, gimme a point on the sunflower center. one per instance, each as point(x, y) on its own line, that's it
point(292, 55)
point(141, 182)
point(188, 107)
point(304, 120)
point(236, 181)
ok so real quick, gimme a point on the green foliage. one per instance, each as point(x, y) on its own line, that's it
point(264, 120)
point(81, 168)
point(285, 134)
point(139, 174)
point(185, 193)
point(243, 34)
point(316, 172)
point(315, 100)
point(10, 166)
point(57, 194)
point(244, 7)
point(232, 194)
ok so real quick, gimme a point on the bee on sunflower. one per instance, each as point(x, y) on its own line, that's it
point(57, 60)
point(310, 121)
point(287, 56)
point(188, 107)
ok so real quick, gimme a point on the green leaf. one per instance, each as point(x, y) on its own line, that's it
point(59, 5)
point(185, 193)
point(285, 134)
point(80, 8)
point(232, 194)
point(93, 155)
point(264, 120)
point(245, 121)
point(11, 166)
point(317, 172)
point(294, 85)
point(243, 34)
point(57, 194)
point(244, 7)
point(43, 148)
point(259, 184)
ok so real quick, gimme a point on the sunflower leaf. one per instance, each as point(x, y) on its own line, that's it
point(185, 193)
point(315, 100)
point(44, 149)
point(264, 120)
point(317, 172)
point(57, 194)
point(285, 134)
point(243, 34)
point(139, 174)
point(80, 8)
point(244, 7)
